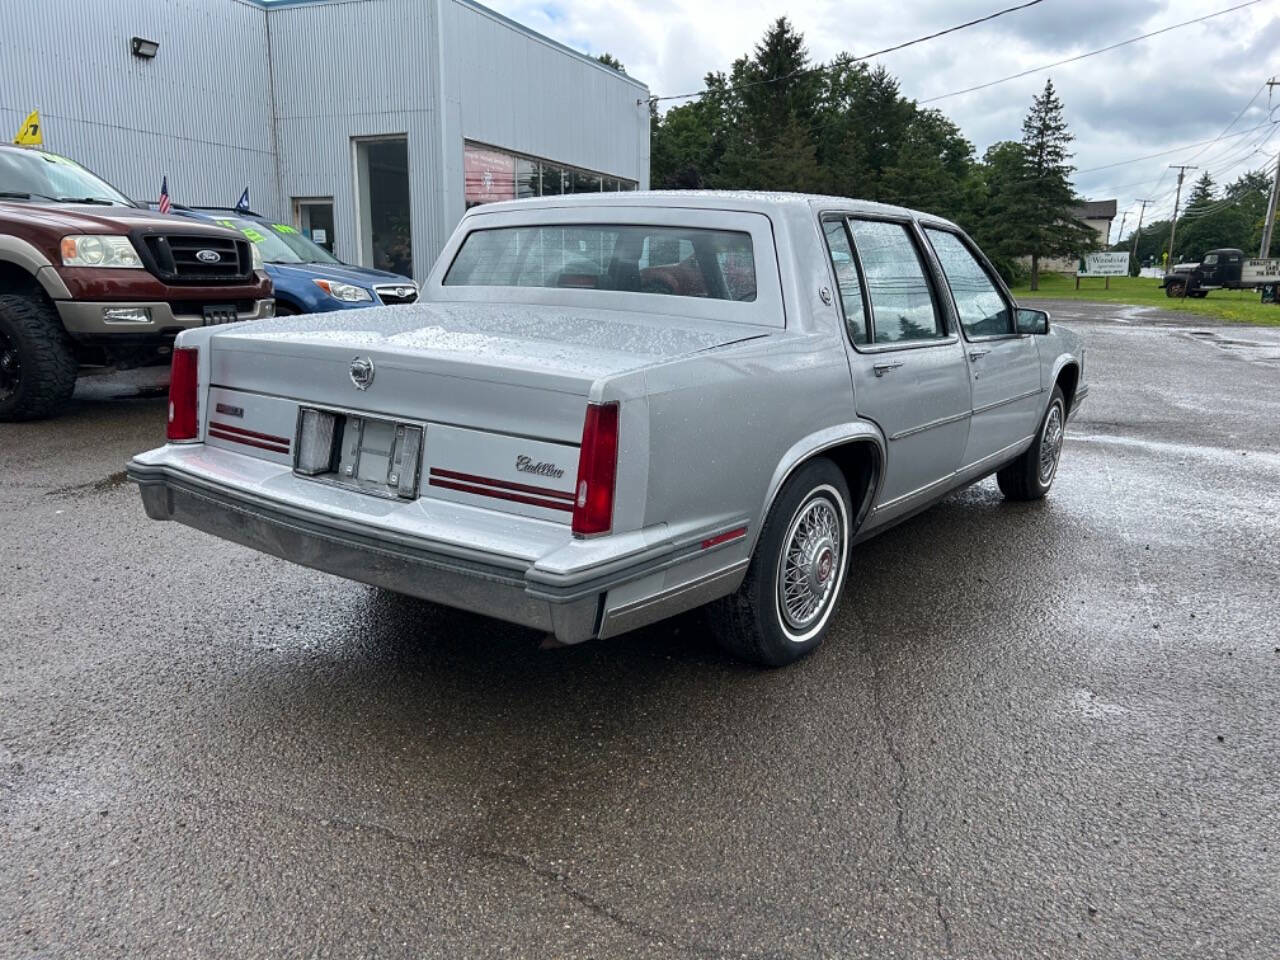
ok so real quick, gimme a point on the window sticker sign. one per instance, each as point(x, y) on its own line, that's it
point(1104, 265)
point(490, 175)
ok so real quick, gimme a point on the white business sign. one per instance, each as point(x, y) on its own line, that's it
point(1105, 265)
point(1260, 271)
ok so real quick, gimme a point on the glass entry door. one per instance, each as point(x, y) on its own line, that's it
point(382, 189)
point(314, 217)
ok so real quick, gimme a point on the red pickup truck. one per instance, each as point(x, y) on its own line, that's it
point(89, 278)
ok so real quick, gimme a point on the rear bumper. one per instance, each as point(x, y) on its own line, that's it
point(90, 318)
point(405, 564)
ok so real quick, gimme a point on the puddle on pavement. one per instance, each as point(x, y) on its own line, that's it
point(1258, 351)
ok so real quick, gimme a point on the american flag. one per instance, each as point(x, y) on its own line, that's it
point(165, 205)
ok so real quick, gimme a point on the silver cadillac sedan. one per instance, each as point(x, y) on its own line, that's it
point(608, 409)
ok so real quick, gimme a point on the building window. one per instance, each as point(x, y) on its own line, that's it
point(491, 174)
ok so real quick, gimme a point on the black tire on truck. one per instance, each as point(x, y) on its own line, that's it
point(1175, 288)
point(37, 365)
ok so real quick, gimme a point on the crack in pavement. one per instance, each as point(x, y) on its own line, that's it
point(900, 803)
point(556, 878)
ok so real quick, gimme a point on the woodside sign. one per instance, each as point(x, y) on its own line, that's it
point(1104, 265)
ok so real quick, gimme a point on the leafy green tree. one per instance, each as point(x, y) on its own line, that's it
point(1232, 219)
point(609, 60)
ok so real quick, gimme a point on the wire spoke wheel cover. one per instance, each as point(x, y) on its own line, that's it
point(1051, 443)
point(811, 568)
point(10, 367)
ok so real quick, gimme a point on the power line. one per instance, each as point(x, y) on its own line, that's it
point(1185, 146)
point(1218, 171)
point(1091, 53)
point(1242, 112)
point(866, 56)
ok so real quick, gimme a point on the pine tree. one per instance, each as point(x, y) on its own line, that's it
point(1045, 198)
point(1201, 193)
point(609, 60)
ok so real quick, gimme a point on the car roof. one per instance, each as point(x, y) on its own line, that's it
point(758, 201)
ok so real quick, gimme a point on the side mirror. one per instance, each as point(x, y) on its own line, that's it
point(1032, 321)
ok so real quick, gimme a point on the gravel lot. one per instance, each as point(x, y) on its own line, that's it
point(1044, 730)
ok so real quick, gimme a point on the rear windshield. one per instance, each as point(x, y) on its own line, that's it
point(675, 261)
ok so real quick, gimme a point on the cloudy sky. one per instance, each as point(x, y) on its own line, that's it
point(1148, 97)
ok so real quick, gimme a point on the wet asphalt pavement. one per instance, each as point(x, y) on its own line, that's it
point(1044, 730)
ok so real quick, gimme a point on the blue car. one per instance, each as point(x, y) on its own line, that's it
point(307, 277)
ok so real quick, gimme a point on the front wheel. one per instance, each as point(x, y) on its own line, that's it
point(781, 611)
point(1175, 290)
point(37, 366)
point(1031, 475)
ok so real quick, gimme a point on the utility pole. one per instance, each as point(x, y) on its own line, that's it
point(1182, 169)
point(1134, 255)
point(1265, 250)
point(1123, 217)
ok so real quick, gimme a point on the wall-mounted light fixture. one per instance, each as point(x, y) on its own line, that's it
point(146, 49)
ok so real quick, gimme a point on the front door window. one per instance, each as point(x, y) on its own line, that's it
point(983, 311)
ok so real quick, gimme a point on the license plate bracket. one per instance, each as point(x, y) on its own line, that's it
point(216, 314)
point(371, 454)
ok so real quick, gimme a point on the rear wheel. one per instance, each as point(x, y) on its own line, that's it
point(37, 366)
point(781, 611)
point(1031, 475)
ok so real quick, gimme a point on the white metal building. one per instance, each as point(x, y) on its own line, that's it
point(370, 123)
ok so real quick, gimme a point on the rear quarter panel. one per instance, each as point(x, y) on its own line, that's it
point(721, 425)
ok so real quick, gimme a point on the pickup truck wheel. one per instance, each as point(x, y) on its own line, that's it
point(1175, 289)
point(1031, 475)
point(781, 611)
point(37, 366)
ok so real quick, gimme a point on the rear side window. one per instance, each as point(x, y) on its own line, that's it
point(902, 304)
point(983, 311)
point(662, 260)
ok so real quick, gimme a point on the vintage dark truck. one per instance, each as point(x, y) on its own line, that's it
point(88, 278)
point(1226, 268)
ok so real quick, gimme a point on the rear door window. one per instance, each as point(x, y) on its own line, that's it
point(902, 304)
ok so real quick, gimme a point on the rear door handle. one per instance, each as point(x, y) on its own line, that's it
point(978, 354)
point(882, 368)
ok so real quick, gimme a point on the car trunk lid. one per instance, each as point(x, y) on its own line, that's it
point(500, 391)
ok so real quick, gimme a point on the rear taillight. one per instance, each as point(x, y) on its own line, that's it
point(183, 394)
point(597, 470)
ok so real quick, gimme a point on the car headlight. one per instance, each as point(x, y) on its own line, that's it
point(256, 255)
point(95, 250)
point(347, 292)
